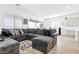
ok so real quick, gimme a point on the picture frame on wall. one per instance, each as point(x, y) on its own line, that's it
point(25, 21)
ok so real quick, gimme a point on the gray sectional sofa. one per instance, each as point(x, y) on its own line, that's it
point(31, 34)
point(9, 46)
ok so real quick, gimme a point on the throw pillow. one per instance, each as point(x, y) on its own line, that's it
point(17, 32)
point(21, 31)
point(12, 32)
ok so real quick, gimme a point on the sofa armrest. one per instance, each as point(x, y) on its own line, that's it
point(54, 35)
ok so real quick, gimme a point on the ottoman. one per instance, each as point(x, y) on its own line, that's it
point(9, 46)
point(42, 43)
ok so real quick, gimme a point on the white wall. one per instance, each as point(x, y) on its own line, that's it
point(13, 10)
point(72, 21)
point(48, 22)
point(18, 23)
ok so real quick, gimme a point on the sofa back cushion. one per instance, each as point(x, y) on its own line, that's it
point(29, 31)
point(17, 32)
point(47, 32)
point(40, 32)
point(33, 31)
point(25, 30)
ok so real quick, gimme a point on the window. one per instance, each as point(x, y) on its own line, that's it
point(32, 25)
point(8, 22)
point(55, 24)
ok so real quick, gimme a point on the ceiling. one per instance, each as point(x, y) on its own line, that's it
point(51, 10)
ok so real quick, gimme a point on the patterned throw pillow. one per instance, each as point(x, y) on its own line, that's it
point(12, 32)
point(21, 31)
point(17, 32)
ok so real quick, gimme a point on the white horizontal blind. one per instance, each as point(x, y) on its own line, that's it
point(8, 22)
point(37, 25)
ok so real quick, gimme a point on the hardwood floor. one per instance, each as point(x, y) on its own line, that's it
point(65, 45)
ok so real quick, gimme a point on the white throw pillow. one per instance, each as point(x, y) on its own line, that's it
point(21, 31)
point(12, 32)
point(17, 32)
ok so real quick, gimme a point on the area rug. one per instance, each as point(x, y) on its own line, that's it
point(25, 44)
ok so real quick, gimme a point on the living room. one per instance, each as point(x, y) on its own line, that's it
point(39, 28)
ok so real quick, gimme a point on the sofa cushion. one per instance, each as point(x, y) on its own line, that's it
point(30, 31)
point(17, 32)
point(12, 31)
point(25, 30)
point(33, 31)
point(6, 32)
point(9, 46)
point(21, 31)
point(47, 32)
